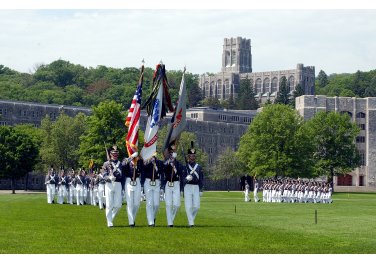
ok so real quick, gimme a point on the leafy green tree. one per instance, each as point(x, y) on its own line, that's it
point(283, 96)
point(227, 165)
point(322, 79)
point(18, 153)
point(103, 126)
point(212, 102)
point(333, 136)
point(61, 140)
point(275, 144)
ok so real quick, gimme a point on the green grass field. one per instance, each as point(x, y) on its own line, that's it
point(225, 224)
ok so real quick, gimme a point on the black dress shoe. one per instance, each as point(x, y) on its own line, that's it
point(170, 225)
point(132, 225)
point(152, 225)
point(191, 225)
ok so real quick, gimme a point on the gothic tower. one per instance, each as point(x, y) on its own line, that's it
point(237, 56)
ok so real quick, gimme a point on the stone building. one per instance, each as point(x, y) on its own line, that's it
point(15, 112)
point(362, 112)
point(237, 65)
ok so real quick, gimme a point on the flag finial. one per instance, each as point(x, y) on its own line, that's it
point(143, 61)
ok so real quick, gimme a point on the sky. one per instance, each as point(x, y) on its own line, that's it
point(331, 39)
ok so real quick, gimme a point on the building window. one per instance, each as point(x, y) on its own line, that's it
point(3, 123)
point(362, 159)
point(274, 85)
point(347, 112)
point(247, 120)
point(227, 88)
point(362, 126)
point(23, 113)
point(360, 139)
point(266, 85)
point(290, 83)
point(360, 115)
point(222, 117)
point(194, 115)
point(361, 180)
point(210, 160)
point(258, 85)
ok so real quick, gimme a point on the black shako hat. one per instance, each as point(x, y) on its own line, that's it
point(192, 151)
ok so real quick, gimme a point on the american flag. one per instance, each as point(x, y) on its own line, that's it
point(133, 119)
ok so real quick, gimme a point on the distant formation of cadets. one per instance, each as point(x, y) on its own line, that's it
point(296, 191)
point(132, 180)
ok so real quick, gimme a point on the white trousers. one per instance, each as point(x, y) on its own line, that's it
point(63, 193)
point(79, 194)
point(255, 196)
point(192, 202)
point(101, 199)
point(246, 195)
point(133, 198)
point(113, 201)
point(152, 199)
point(50, 193)
point(71, 193)
point(172, 199)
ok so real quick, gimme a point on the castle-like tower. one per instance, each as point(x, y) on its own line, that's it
point(237, 56)
point(237, 65)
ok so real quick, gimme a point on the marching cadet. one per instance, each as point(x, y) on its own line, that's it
point(63, 187)
point(114, 175)
point(80, 180)
point(50, 182)
point(133, 172)
point(151, 179)
point(72, 186)
point(246, 191)
point(193, 182)
point(101, 192)
point(173, 174)
point(255, 190)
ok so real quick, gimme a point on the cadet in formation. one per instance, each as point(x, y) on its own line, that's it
point(173, 173)
point(193, 181)
point(51, 181)
point(114, 175)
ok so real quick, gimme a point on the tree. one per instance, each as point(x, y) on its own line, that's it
point(227, 166)
point(246, 97)
point(283, 96)
point(299, 91)
point(322, 79)
point(61, 140)
point(103, 126)
point(275, 144)
point(18, 153)
point(333, 136)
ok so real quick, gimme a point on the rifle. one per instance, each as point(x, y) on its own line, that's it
point(108, 160)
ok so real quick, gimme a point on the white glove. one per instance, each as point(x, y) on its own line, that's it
point(161, 191)
point(113, 178)
point(189, 178)
point(174, 155)
point(201, 193)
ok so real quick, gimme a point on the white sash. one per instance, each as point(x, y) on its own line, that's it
point(193, 170)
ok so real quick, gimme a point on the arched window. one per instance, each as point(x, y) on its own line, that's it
point(266, 85)
point(274, 84)
point(291, 83)
point(227, 89)
point(227, 58)
point(219, 89)
point(258, 85)
point(212, 88)
point(360, 115)
point(347, 112)
point(207, 89)
point(251, 83)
